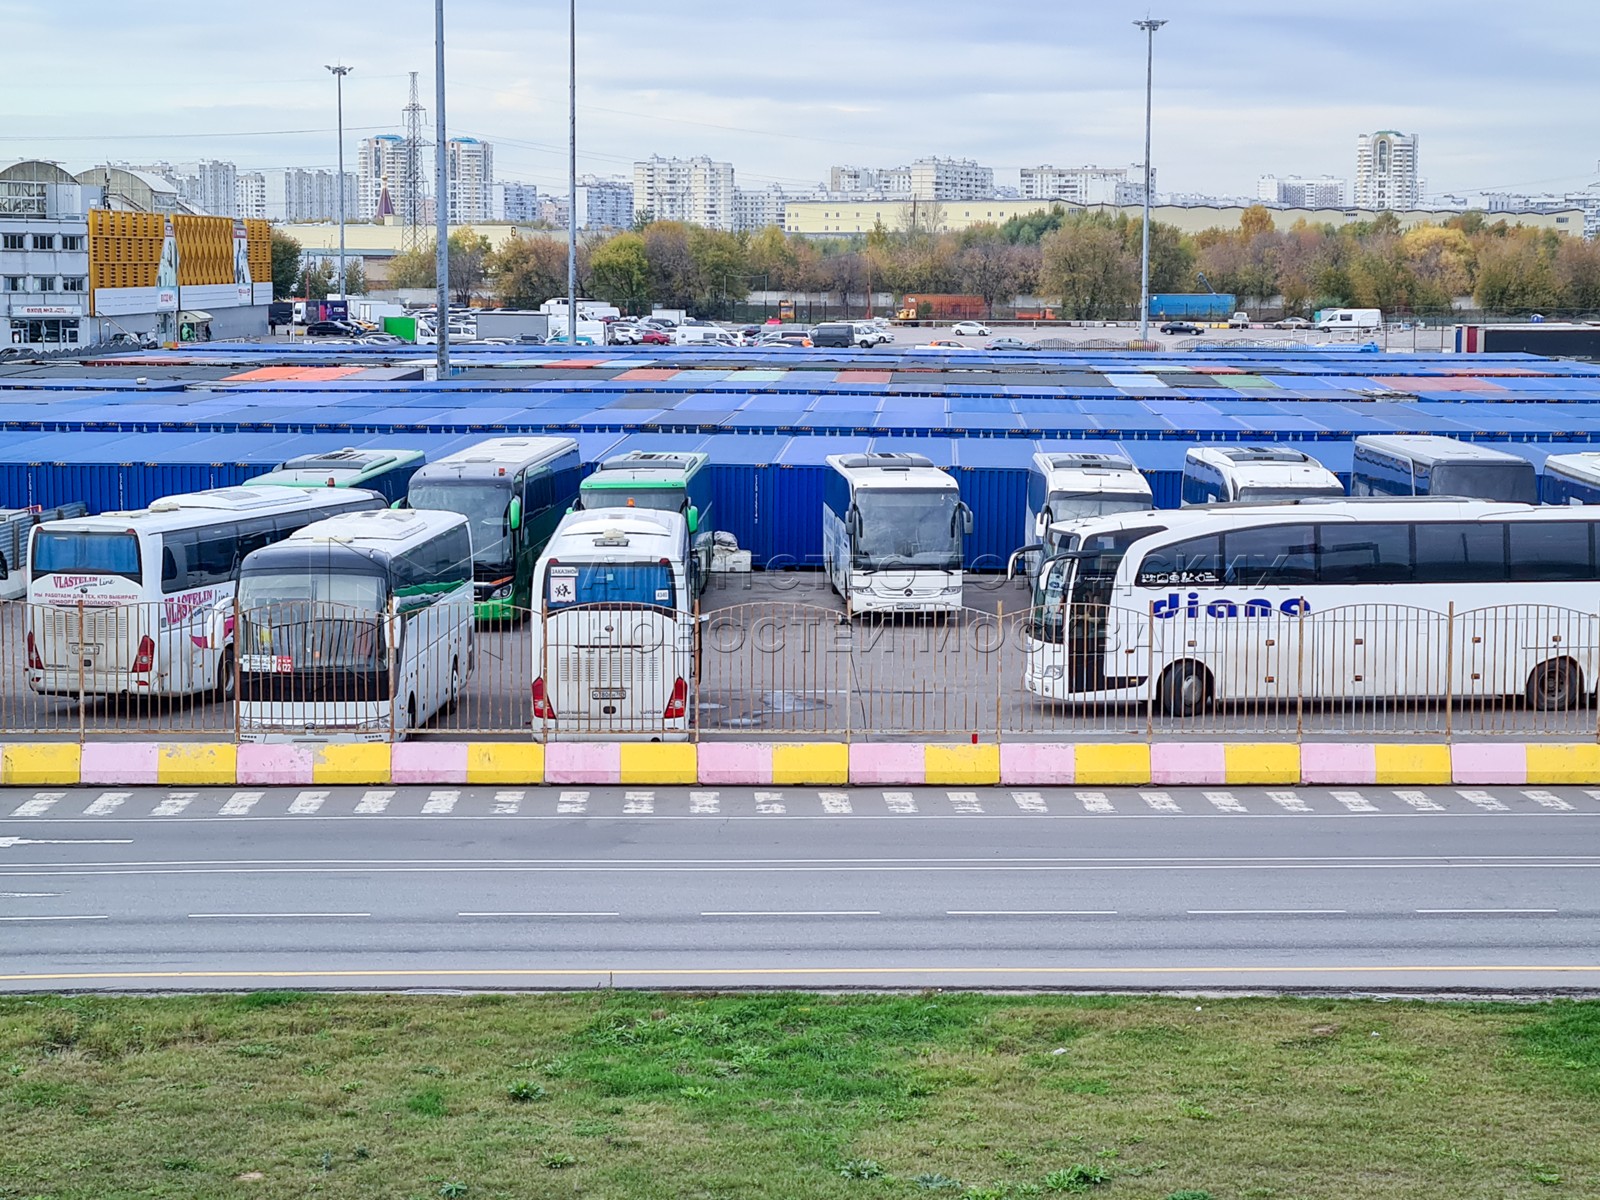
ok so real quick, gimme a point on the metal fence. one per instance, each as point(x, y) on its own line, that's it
point(781, 670)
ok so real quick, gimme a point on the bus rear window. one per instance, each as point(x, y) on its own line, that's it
point(624, 583)
point(85, 554)
point(661, 499)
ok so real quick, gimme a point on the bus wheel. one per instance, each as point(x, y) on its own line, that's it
point(454, 697)
point(1185, 688)
point(225, 679)
point(411, 712)
point(1556, 684)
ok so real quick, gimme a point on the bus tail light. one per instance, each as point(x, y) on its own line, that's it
point(35, 663)
point(541, 702)
point(144, 661)
point(679, 703)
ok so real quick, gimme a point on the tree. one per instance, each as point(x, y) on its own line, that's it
point(316, 279)
point(987, 266)
point(527, 271)
point(1088, 266)
point(468, 264)
point(413, 268)
point(1255, 221)
point(285, 265)
point(620, 269)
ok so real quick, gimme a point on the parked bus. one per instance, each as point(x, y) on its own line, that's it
point(513, 491)
point(386, 472)
point(1254, 475)
point(1348, 600)
point(357, 628)
point(15, 527)
point(670, 482)
point(892, 526)
point(1065, 487)
point(1428, 465)
point(1570, 479)
point(141, 603)
point(615, 644)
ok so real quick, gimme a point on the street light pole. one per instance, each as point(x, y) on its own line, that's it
point(1149, 26)
point(339, 73)
point(441, 215)
point(572, 172)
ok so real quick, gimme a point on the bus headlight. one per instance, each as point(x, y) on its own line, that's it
point(502, 593)
point(1056, 672)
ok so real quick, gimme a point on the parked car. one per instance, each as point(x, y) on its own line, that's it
point(834, 335)
point(1239, 320)
point(1008, 343)
point(332, 329)
point(970, 329)
point(787, 340)
point(943, 344)
point(652, 336)
point(625, 334)
point(870, 334)
point(1292, 323)
point(1180, 327)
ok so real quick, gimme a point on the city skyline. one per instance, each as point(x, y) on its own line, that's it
point(869, 99)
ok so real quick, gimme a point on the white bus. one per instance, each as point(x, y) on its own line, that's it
point(1331, 600)
point(1430, 465)
point(615, 644)
point(141, 603)
point(357, 628)
point(1254, 475)
point(1066, 487)
point(892, 526)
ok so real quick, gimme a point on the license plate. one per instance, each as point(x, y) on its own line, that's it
point(88, 649)
point(609, 693)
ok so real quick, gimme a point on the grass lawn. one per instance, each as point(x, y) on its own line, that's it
point(669, 1097)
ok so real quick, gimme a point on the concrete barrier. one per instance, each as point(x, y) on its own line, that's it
point(894, 764)
point(1038, 764)
point(42, 764)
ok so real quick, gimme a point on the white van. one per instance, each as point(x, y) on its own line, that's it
point(703, 335)
point(1361, 320)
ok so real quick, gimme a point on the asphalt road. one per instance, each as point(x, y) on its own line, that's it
point(1373, 888)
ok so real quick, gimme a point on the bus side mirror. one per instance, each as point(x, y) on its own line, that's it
point(852, 522)
point(964, 514)
point(1021, 556)
point(694, 519)
point(516, 513)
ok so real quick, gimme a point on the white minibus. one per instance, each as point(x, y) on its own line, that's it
point(1352, 599)
point(614, 645)
point(357, 628)
point(1430, 465)
point(1254, 475)
point(892, 529)
point(141, 603)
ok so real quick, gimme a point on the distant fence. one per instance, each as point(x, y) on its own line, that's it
point(768, 670)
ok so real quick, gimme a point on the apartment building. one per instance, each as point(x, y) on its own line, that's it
point(1386, 171)
point(697, 190)
point(1085, 185)
point(1300, 191)
point(604, 203)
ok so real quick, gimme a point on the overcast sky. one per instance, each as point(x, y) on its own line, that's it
point(1503, 95)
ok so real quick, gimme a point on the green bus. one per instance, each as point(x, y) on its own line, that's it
point(387, 472)
point(675, 482)
point(513, 492)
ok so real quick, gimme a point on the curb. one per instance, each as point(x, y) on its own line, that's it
point(737, 764)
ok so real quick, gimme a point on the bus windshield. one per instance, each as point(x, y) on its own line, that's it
point(647, 584)
point(86, 554)
point(311, 621)
point(1265, 495)
point(487, 507)
point(1069, 506)
point(658, 499)
point(908, 530)
point(1511, 482)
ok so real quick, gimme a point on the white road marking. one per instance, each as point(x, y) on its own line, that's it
point(1030, 912)
point(1160, 801)
point(639, 802)
point(965, 802)
point(1095, 802)
point(507, 803)
point(39, 805)
point(835, 803)
point(1420, 801)
point(240, 803)
point(705, 802)
point(1483, 800)
point(440, 802)
point(1225, 802)
point(7, 842)
point(1452, 911)
point(1032, 802)
point(769, 802)
point(900, 802)
point(1593, 795)
point(96, 917)
point(174, 804)
point(374, 802)
point(1548, 800)
point(108, 802)
point(1355, 801)
point(1289, 800)
point(538, 914)
point(26, 895)
point(810, 913)
point(572, 802)
point(307, 802)
point(272, 916)
point(1265, 912)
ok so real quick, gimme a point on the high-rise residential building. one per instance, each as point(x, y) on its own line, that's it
point(1085, 185)
point(471, 179)
point(513, 202)
point(250, 195)
point(950, 179)
point(759, 207)
point(1386, 171)
point(209, 186)
point(604, 203)
point(296, 195)
point(552, 211)
point(380, 163)
point(855, 181)
point(696, 190)
point(1299, 191)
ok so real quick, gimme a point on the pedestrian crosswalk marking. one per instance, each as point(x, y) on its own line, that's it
point(703, 802)
point(307, 802)
point(1355, 802)
point(966, 802)
point(39, 805)
point(1095, 801)
point(572, 802)
point(1483, 800)
point(1225, 802)
point(440, 802)
point(1420, 801)
point(1032, 802)
point(507, 803)
point(769, 803)
point(1289, 800)
point(1547, 800)
point(638, 802)
point(173, 804)
point(240, 803)
point(107, 803)
point(1160, 801)
point(374, 802)
point(835, 804)
point(900, 802)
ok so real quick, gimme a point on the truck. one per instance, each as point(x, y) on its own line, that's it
point(517, 323)
point(942, 307)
